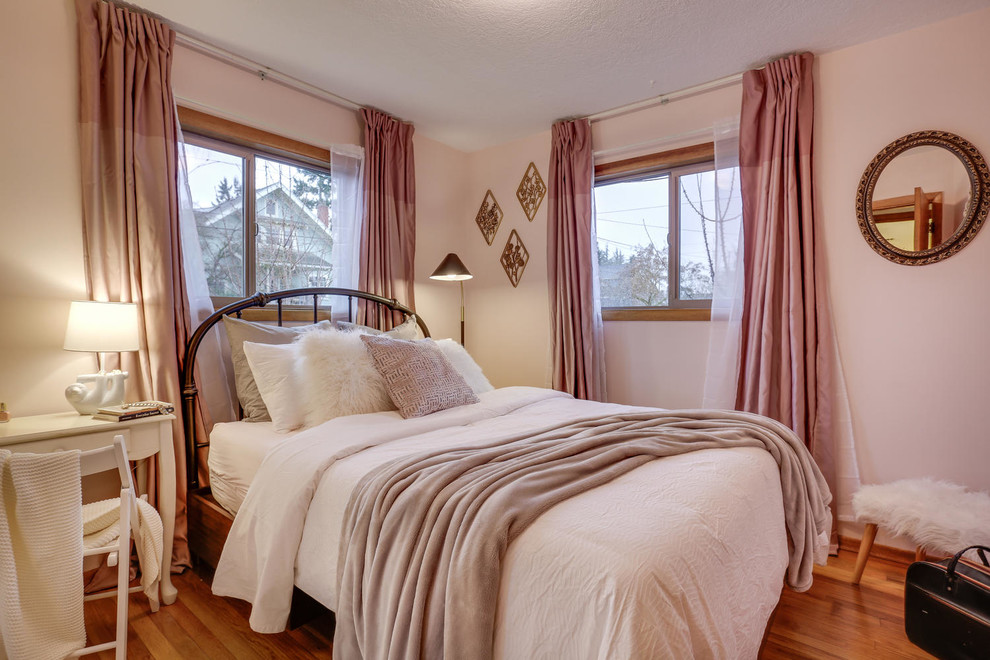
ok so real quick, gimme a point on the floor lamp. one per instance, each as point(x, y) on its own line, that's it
point(452, 269)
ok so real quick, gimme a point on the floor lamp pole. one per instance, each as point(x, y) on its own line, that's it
point(462, 312)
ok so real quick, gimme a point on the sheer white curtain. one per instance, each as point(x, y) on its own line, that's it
point(214, 378)
point(727, 291)
point(721, 374)
point(346, 214)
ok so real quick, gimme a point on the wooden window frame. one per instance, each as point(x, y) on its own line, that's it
point(657, 163)
point(246, 141)
point(225, 130)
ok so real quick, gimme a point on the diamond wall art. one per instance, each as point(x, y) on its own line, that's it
point(514, 258)
point(531, 191)
point(489, 217)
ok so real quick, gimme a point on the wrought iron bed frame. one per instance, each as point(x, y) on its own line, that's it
point(189, 389)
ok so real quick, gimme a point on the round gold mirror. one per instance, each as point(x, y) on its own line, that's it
point(923, 197)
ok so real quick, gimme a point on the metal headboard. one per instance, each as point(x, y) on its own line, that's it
point(189, 390)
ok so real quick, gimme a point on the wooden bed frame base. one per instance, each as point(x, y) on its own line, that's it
point(209, 524)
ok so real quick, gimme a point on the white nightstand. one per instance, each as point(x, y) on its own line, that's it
point(145, 437)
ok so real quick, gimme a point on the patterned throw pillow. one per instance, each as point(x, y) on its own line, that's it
point(417, 376)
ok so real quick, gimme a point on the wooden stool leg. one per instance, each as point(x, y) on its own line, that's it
point(865, 546)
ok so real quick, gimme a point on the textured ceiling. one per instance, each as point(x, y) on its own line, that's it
point(473, 73)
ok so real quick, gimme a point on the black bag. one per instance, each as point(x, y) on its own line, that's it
point(947, 607)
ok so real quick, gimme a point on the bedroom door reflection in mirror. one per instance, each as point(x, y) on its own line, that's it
point(920, 198)
point(923, 197)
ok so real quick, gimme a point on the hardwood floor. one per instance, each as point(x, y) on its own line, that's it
point(833, 619)
point(201, 625)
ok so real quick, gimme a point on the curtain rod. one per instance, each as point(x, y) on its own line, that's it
point(263, 72)
point(667, 98)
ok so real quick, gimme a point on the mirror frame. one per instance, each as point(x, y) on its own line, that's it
point(979, 204)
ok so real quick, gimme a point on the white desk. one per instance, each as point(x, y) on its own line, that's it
point(145, 437)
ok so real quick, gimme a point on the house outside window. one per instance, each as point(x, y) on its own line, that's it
point(264, 220)
point(656, 220)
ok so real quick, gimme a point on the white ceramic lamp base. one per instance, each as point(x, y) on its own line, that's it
point(93, 391)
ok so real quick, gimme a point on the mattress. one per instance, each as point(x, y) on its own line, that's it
point(682, 557)
point(236, 451)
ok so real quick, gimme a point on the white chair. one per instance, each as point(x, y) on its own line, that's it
point(107, 459)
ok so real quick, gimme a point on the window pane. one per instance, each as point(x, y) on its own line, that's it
point(218, 204)
point(632, 222)
point(292, 210)
point(699, 220)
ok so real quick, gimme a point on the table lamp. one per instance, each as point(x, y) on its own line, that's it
point(452, 269)
point(100, 327)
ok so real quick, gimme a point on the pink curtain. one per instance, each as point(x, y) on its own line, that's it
point(576, 336)
point(388, 233)
point(786, 347)
point(130, 205)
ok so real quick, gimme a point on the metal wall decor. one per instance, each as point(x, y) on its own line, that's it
point(489, 217)
point(531, 191)
point(514, 258)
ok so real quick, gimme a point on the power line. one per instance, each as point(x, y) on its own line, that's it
point(642, 208)
point(632, 224)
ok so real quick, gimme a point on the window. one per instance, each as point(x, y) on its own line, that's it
point(263, 217)
point(656, 218)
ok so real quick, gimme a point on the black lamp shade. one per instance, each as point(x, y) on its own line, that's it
point(451, 269)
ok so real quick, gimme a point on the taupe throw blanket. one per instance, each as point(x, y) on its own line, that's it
point(424, 537)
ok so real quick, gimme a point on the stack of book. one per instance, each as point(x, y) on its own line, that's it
point(129, 411)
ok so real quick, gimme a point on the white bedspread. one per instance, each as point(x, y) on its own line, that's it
point(683, 557)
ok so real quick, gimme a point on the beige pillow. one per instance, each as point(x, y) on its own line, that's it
point(418, 378)
point(409, 329)
point(240, 331)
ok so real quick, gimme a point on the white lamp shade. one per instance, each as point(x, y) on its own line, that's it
point(102, 327)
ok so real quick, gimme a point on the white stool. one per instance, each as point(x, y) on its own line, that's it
point(936, 515)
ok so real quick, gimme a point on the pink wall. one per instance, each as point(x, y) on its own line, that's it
point(909, 419)
point(923, 416)
point(41, 262)
point(507, 328)
point(648, 363)
point(207, 84)
point(441, 192)
point(41, 268)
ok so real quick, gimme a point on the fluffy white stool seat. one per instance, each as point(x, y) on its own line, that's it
point(936, 515)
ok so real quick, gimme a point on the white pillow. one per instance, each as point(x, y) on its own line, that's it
point(465, 365)
point(277, 374)
point(409, 329)
point(339, 377)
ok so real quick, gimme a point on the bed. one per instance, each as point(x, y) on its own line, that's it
point(679, 557)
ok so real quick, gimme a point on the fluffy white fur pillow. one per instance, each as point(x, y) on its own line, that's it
point(277, 374)
point(339, 377)
point(465, 365)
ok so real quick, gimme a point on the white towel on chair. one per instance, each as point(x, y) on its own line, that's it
point(41, 553)
point(101, 526)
